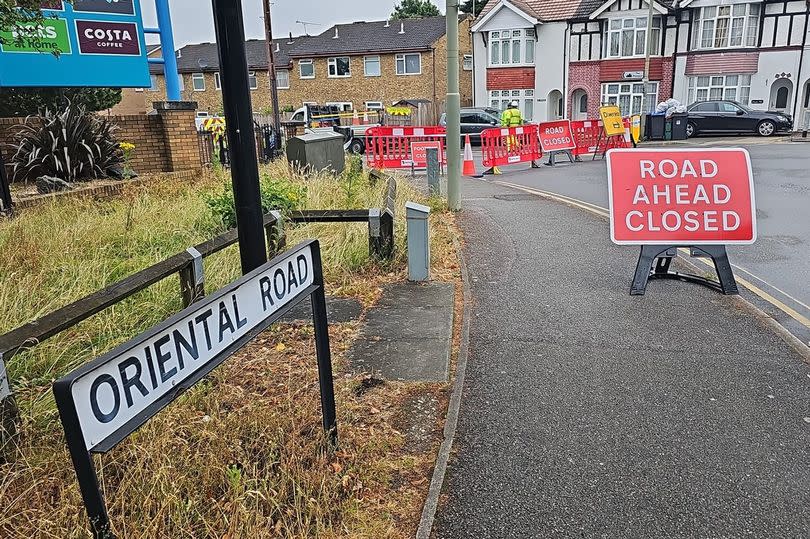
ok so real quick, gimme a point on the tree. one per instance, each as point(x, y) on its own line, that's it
point(415, 9)
point(16, 13)
point(472, 7)
point(27, 101)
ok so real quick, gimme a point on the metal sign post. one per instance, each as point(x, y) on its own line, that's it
point(6, 203)
point(230, 32)
point(103, 402)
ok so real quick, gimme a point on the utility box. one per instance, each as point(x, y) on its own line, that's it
point(315, 152)
point(418, 241)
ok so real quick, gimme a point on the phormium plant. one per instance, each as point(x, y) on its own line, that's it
point(71, 144)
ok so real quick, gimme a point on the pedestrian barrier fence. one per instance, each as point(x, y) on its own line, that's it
point(502, 146)
point(589, 136)
point(392, 147)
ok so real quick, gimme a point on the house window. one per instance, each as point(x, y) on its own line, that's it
point(371, 66)
point(409, 64)
point(719, 27)
point(198, 82)
point(583, 103)
point(282, 79)
point(217, 81)
point(181, 82)
point(342, 106)
point(500, 99)
point(374, 105)
point(715, 87)
point(626, 37)
point(630, 96)
point(512, 47)
point(306, 69)
point(153, 83)
point(467, 65)
point(339, 67)
point(252, 80)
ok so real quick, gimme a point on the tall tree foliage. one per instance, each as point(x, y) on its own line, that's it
point(16, 13)
point(415, 9)
point(28, 101)
point(472, 7)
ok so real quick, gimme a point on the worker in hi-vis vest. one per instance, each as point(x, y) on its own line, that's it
point(511, 117)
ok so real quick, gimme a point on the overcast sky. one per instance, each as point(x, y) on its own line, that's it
point(193, 21)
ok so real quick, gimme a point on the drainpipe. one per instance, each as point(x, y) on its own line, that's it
point(565, 69)
point(647, 41)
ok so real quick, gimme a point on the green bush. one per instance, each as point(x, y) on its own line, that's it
point(277, 194)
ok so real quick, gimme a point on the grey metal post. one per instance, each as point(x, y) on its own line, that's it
point(453, 110)
point(192, 279)
point(418, 241)
point(434, 189)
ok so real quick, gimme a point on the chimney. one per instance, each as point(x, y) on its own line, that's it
point(336, 36)
point(278, 47)
point(401, 27)
point(290, 42)
point(388, 24)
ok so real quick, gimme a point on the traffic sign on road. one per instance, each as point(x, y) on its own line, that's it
point(556, 136)
point(612, 120)
point(419, 152)
point(681, 197)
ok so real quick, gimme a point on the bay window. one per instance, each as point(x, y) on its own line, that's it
point(512, 47)
point(719, 27)
point(630, 96)
point(716, 87)
point(500, 99)
point(626, 37)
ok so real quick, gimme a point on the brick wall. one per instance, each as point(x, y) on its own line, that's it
point(585, 76)
point(510, 78)
point(164, 142)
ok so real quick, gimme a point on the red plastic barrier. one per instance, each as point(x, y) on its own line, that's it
point(510, 145)
point(390, 146)
point(590, 137)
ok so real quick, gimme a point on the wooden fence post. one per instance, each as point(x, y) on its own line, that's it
point(192, 279)
point(276, 236)
point(9, 413)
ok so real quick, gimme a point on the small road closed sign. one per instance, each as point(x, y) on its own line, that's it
point(681, 197)
point(556, 136)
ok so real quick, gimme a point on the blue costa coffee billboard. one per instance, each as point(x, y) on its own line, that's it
point(81, 43)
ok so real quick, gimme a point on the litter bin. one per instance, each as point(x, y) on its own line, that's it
point(656, 126)
point(679, 121)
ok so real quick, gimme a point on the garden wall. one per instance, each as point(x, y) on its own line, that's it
point(165, 141)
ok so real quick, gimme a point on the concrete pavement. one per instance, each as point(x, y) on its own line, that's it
point(590, 413)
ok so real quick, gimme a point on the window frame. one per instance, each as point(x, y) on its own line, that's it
point(499, 99)
point(526, 38)
point(195, 79)
point(278, 79)
point(379, 65)
point(705, 27)
point(253, 81)
point(217, 80)
point(467, 60)
point(368, 105)
point(404, 57)
point(333, 62)
point(639, 27)
point(309, 62)
point(606, 94)
point(181, 82)
point(740, 84)
point(341, 105)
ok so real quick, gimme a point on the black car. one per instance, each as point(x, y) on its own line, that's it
point(474, 120)
point(711, 117)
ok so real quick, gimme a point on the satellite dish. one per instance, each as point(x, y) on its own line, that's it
point(203, 63)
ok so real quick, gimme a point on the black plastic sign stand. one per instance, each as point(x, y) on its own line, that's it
point(552, 157)
point(248, 299)
point(655, 260)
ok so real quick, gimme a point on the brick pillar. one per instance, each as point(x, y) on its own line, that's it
point(179, 134)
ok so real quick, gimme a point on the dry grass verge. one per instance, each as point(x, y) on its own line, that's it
point(240, 455)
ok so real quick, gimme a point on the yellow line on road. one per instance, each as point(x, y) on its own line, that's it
point(603, 212)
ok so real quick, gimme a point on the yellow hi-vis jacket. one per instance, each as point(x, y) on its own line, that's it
point(511, 118)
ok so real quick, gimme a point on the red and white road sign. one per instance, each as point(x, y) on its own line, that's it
point(681, 197)
point(557, 136)
point(419, 152)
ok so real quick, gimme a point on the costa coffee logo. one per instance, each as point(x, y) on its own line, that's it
point(100, 37)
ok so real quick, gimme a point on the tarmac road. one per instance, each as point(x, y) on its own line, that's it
point(777, 264)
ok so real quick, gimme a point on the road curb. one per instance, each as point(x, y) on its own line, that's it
point(453, 408)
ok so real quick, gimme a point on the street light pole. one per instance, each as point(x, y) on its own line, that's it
point(230, 32)
point(271, 66)
point(453, 110)
point(646, 80)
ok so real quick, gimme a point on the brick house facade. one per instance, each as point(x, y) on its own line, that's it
point(358, 42)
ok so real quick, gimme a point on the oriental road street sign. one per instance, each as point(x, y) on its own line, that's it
point(681, 197)
point(104, 401)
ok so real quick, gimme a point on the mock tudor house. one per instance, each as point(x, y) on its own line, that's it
point(563, 58)
point(357, 66)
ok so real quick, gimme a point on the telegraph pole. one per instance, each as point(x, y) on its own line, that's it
point(271, 66)
point(453, 110)
point(230, 32)
point(646, 81)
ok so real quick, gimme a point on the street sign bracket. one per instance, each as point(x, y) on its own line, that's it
point(654, 262)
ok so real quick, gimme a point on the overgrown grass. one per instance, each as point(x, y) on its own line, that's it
point(241, 454)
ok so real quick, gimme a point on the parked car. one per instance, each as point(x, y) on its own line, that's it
point(474, 120)
point(732, 117)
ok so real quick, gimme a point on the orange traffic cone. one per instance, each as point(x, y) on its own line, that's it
point(365, 118)
point(469, 163)
point(356, 119)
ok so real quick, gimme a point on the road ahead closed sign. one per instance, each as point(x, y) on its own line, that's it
point(556, 136)
point(681, 197)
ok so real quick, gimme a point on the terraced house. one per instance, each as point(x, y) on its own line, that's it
point(361, 65)
point(563, 58)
